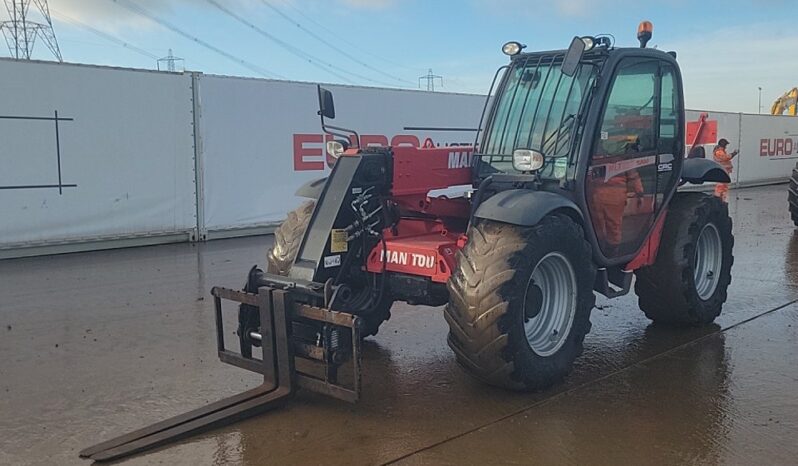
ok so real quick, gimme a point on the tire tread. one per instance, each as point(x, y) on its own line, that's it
point(480, 292)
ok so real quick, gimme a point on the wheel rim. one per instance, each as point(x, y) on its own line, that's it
point(549, 304)
point(707, 262)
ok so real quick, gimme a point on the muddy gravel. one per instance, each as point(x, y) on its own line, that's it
point(97, 344)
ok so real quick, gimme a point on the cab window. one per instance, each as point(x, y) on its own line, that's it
point(622, 176)
point(628, 123)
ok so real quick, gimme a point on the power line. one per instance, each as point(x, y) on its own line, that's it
point(328, 44)
point(337, 35)
point(104, 35)
point(251, 66)
point(315, 61)
point(279, 42)
point(75, 22)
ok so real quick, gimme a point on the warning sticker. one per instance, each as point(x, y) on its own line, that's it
point(332, 261)
point(338, 241)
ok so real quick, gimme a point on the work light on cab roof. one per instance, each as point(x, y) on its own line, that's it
point(512, 48)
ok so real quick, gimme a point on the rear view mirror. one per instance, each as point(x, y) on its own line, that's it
point(572, 58)
point(326, 104)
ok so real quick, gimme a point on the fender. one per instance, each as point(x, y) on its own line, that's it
point(523, 207)
point(312, 189)
point(697, 171)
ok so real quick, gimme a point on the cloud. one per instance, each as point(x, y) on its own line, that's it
point(107, 15)
point(107, 9)
point(722, 69)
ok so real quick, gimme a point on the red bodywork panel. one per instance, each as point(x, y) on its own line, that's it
point(417, 171)
point(648, 254)
point(425, 246)
point(418, 247)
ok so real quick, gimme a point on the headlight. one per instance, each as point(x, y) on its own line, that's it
point(335, 149)
point(527, 160)
point(589, 43)
point(512, 48)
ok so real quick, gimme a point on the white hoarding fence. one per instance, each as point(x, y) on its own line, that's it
point(767, 144)
point(768, 148)
point(90, 154)
point(116, 162)
point(261, 140)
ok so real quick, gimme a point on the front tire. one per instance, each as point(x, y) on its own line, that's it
point(287, 238)
point(792, 195)
point(687, 284)
point(520, 302)
point(280, 258)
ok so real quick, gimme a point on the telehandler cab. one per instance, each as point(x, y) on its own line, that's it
point(571, 190)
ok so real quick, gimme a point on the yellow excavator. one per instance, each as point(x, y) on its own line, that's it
point(789, 103)
point(786, 103)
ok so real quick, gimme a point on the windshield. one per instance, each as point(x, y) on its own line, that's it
point(536, 109)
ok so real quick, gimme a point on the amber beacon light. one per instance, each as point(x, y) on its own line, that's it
point(644, 32)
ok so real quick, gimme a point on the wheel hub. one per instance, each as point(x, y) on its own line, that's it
point(534, 301)
point(707, 261)
point(550, 304)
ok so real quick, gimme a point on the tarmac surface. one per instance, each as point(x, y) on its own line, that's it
point(93, 345)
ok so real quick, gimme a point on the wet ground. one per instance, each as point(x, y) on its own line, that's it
point(96, 344)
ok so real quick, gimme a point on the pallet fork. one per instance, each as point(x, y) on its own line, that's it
point(282, 306)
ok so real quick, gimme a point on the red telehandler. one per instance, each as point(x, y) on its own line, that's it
point(571, 190)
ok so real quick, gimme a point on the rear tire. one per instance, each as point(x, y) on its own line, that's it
point(687, 284)
point(493, 327)
point(280, 258)
point(792, 195)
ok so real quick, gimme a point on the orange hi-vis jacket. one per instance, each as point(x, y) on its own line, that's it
point(628, 180)
point(723, 158)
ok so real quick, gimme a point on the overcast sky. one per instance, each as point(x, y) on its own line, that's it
point(727, 49)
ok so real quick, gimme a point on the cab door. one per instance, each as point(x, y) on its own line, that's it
point(637, 132)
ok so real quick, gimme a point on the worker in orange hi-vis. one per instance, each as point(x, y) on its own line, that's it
point(608, 192)
point(608, 203)
point(725, 161)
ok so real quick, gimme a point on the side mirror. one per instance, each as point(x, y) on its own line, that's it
point(572, 58)
point(327, 110)
point(326, 104)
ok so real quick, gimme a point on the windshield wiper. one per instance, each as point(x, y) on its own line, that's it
point(563, 130)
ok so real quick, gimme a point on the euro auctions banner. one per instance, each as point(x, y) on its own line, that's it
point(261, 139)
point(770, 146)
point(767, 144)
